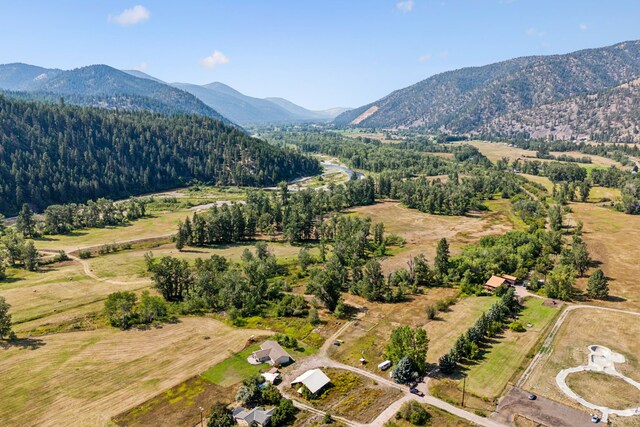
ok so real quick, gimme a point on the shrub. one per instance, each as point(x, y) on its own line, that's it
point(84, 254)
point(516, 327)
point(286, 341)
point(431, 312)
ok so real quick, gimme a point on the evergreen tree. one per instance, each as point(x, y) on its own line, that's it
point(25, 222)
point(598, 286)
point(404, 371)
point(447, 363)
point(5, 319)
point(441, 262)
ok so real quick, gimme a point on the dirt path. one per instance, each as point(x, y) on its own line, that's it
point(86, 268)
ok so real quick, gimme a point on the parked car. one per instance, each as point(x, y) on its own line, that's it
point(595, 419)
point(336, 343)
point(417, 392)
point(532, 397)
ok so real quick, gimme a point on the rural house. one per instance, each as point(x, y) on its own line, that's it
point(495, 282)
point(270, 351)
point(314, 380)
point(252, 417)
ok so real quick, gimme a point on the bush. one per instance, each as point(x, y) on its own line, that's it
point(516, 327)
point(431, 312)
point(414, 412)
point(286, 341)
point(84, 254)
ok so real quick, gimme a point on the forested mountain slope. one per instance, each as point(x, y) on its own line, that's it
point(608, 115)
point(102, 86)
point(56, 154)
point(463, 100)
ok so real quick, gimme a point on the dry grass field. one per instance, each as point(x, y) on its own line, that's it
point(422, 231)
point(34, 296)
point(496, 151)
point(85, 378)
point(581, 328)
point(604, 390)
point(612, 238)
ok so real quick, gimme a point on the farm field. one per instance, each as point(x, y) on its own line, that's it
point(581, 328)
point(90, 376)
point(508, 353)
point(612, 238)
point(422, 231)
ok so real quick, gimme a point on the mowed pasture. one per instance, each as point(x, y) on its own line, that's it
point(85, 378)
point(422, 231)
point(612, 239)
point(581, 328)
point(507, 353)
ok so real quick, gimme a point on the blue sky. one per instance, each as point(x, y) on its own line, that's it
point(319, 54)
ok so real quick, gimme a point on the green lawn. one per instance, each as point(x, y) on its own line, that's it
point(234, 369)
point(504, 358)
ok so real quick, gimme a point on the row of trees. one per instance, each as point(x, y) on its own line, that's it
point(467, 346)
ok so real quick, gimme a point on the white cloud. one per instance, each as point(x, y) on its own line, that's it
point(534, 32)
point(215, 59)
point(141, 67)
point(405, 6)
point(135, 15)
point(583, 27)
point(424, 58)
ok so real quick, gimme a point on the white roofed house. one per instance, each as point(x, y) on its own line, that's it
point(271, 352)
point(314, 380)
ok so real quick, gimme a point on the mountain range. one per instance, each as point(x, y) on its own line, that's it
point(529, 96)
point(132, 90)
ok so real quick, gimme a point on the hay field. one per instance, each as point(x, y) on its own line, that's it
point(612, 238)
point(85, 378)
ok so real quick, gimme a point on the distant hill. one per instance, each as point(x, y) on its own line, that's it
point(465, 100)
point(60, 153)
point(102, 86)
point(607, 115)
point(247, 110)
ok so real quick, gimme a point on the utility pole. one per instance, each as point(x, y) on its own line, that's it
point(464, 387)
point(201, 416)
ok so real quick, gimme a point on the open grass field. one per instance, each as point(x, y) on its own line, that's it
point(612, 239)
point(542, 180)
point(354, 396)
point(85, 378)
point(581, 328)
point(130, 265)
point(55, 290)
point(422, 231)
point(508, 353)
point(604, 390)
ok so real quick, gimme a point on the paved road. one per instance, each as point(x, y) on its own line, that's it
point(541, 410)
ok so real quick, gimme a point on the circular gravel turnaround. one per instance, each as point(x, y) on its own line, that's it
point(600, 359)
